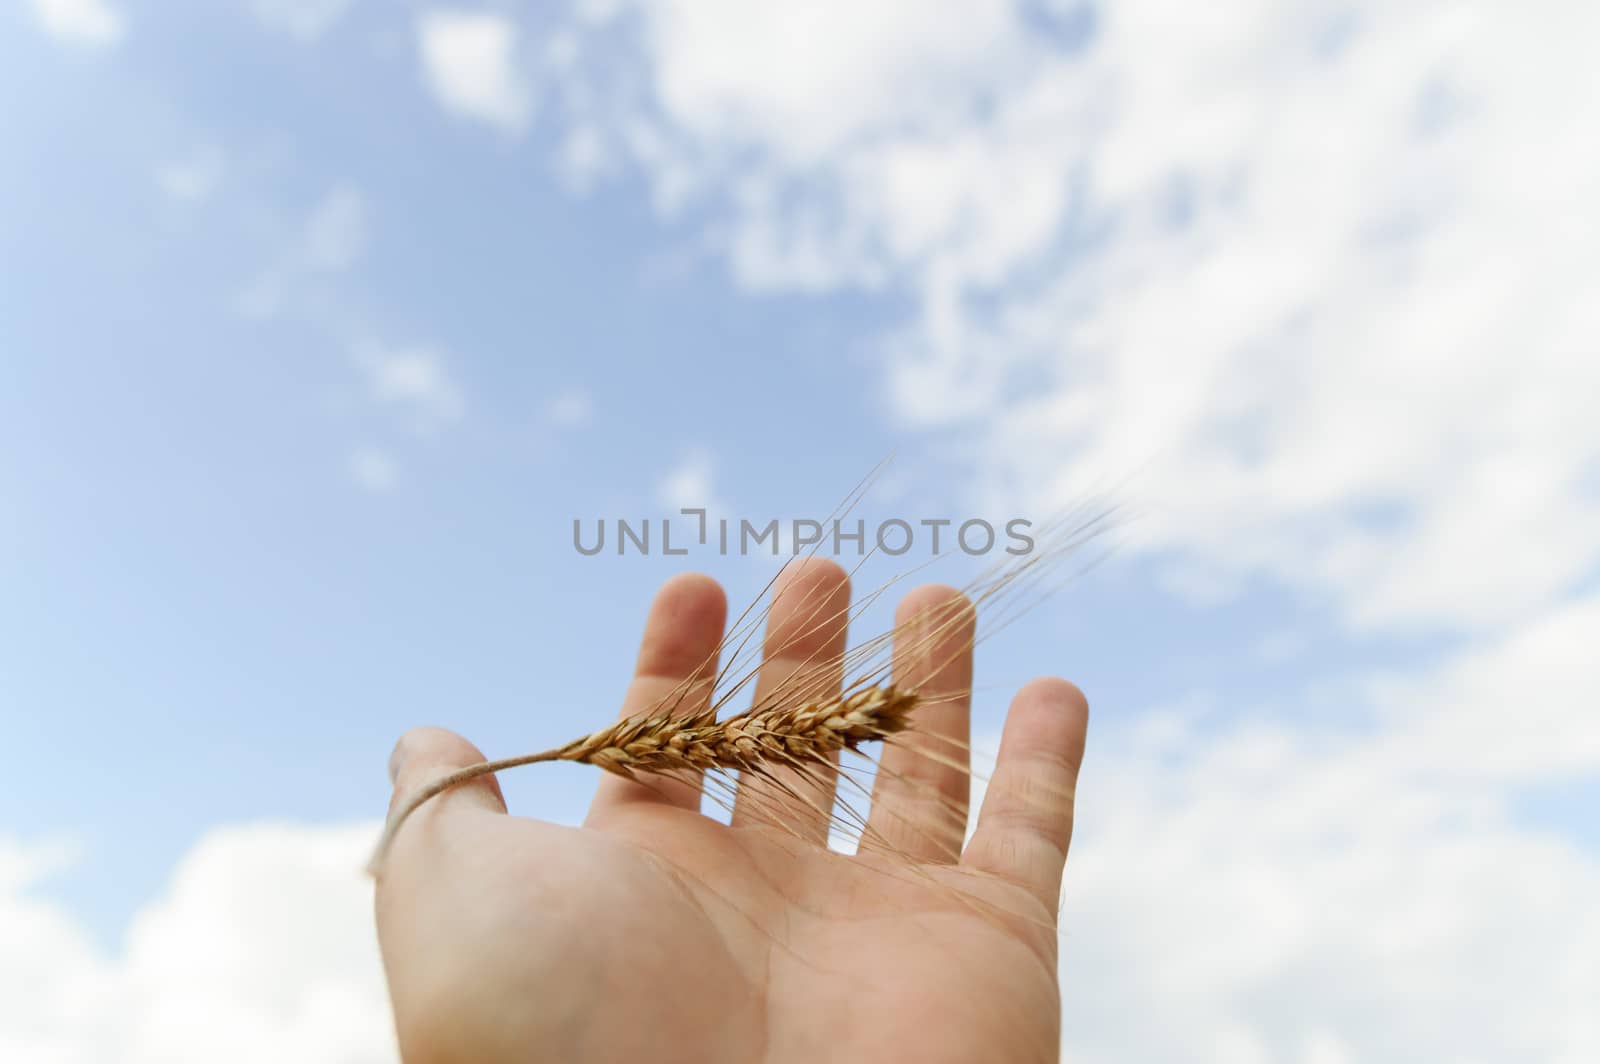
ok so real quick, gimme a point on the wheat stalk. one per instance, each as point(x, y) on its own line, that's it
point(755, 741)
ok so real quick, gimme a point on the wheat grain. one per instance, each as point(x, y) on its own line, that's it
point(761, 738)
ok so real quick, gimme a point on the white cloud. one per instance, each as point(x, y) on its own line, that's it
point(414, 380)
point(469, 60)
point(23, 865)
point(306, 20)
point(261, 949)
point(93, 23)
point(1255, 896)
point(335, 235)
point(192, 178)
point(806, 80)
point(330, 239)
point(263, 296)
point(1354, 894)
point(1278, 647)
point(1260, 891)
point(373, 469)
point(570, 409)
point(1517, 710)
point(1321, 276)
point(690, 483)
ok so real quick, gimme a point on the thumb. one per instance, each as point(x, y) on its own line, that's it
point(421, 759)
point(418, 864)
point(426, 754)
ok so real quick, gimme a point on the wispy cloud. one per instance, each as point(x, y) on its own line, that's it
point(470, 63)
point(373, 469)
point(193, 177)
point(413, 380)
point(1292, 269)
point(91, 23)
point(571, 409)
point(691, 483)
point(336, 233)
point(306, 20)
point(330, 239)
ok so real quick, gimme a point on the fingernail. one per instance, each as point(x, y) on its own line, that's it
point(397, 760)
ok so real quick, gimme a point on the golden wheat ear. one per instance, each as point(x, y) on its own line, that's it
point(656, 744)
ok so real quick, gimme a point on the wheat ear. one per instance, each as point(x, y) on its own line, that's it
point(754, 741)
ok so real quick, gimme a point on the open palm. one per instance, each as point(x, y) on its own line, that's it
point(654, 933)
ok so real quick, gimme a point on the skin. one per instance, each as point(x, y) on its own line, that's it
point(656, 933)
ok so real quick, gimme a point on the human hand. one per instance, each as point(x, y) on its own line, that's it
point(656, 933)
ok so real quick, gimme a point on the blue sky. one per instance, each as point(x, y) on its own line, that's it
point(321, 322)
